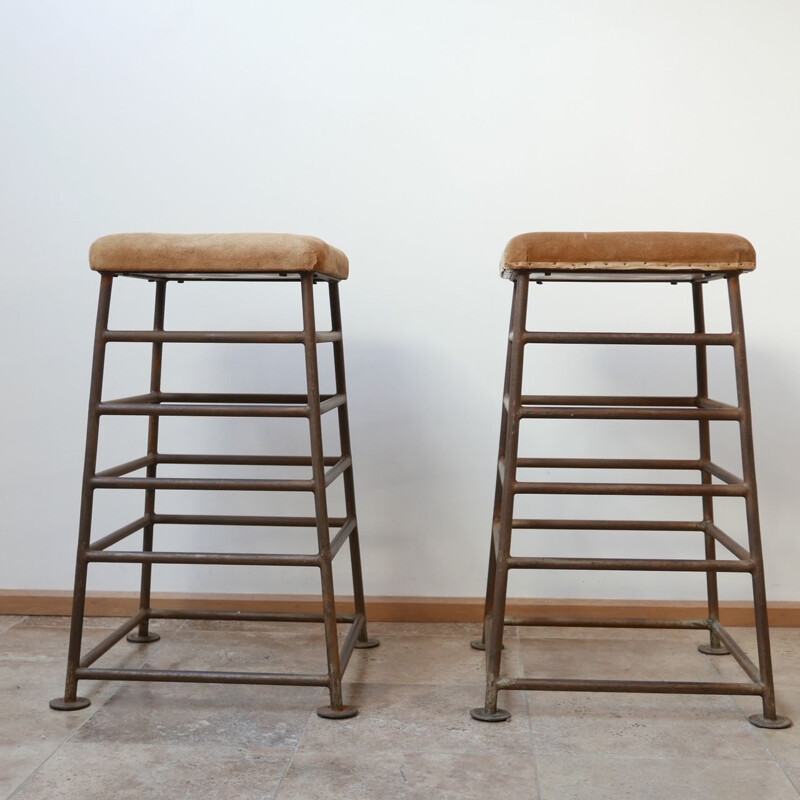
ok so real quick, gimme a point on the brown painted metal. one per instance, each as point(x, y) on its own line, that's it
point(325, 470)
point(700, 408)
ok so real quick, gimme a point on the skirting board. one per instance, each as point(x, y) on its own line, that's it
point(784, 614)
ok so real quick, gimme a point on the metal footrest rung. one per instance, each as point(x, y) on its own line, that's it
point(605, 525)
point(111, 480)
point(661, 489)
point(593, 337)
point(627, 413)
point(227, 559)
point(219, 337)
point(630, 564)
point(607, 622)
point(645, 687)
point(201, 676)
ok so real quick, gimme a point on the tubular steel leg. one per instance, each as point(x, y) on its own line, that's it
point(364, 642)
point(769, 719)
point(490, 712)
point(480, 644)
point(70, 701)
point(336, 709)
point(715, 647)
point(143, 635)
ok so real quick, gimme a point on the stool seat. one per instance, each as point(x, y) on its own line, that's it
point(221, 253)
point(629, 252)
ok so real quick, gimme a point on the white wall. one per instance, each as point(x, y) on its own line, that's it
point(419, 137)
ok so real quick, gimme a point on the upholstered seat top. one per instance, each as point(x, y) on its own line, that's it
point(629, 252)
point(203, 253)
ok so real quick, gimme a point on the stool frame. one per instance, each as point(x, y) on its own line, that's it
point(701, 408)
point(325, 470)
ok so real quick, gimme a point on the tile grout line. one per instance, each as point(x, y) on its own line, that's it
point(297, 746)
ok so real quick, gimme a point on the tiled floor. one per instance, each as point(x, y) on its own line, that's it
point(413, 737)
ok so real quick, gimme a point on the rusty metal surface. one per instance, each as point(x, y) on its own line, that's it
point(325, 469)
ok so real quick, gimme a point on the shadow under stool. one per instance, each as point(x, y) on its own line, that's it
point(174, 259)
point(693, 258)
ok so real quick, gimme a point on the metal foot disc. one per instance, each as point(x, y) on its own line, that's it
point(60, 704)
point(136, 639)
point(370, 643)
point(710, 650)
point(345, 712)
point(482, 715)
point(760, 721)
point(479, 645)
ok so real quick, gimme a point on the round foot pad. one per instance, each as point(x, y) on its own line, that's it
point(136, 639)
point(60, 704)
point(482, 715)
point(709, 650)
point(760, 721)
point(345, 712)
point(478, 645)
point(370, 643)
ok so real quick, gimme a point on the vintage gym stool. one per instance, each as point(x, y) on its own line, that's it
point(165, 258)
point(695, 258)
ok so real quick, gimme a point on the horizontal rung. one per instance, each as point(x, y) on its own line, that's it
point(608, 622)
point(642, 687)
point(128, 466)
point(206, 484)
point(630, 564)
point(220, 337)
point(243, 559)
point(244, 616)
point(625, 412)
point(665, 489)
point(579, 337)
point(242, 461)
point(605, 525)
point(219, 519)
point(608, 463)
point(200, 409)
point(721, 473)
point(198, 676)
point(680, 401)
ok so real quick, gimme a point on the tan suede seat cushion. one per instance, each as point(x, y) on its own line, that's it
point(629, 252)
point(204, 253)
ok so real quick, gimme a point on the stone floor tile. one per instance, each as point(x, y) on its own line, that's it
point(409, 776)
point(418, 718)
point(640, 725)
point(643, 659)
point(203, 715)
point(8, 621)
point(679, 637)
point(135, 771)
point(785, 648)
point(426, 659)
point(661, 779)
point(458, 630)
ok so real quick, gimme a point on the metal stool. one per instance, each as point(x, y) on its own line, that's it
point(162, 258)
point(695, 258)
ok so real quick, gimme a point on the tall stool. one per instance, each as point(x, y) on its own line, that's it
point(695, 258)
point(165, 258)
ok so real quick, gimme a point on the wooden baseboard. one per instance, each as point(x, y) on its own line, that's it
point(784, 614)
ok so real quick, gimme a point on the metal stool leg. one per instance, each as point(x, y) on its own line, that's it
point(715, 647)
point(336, 709)
point(769, 719)
point(363, 642)
point(480, 644)
point(143, 635)
point(507, 471)
point(70, 701)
